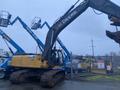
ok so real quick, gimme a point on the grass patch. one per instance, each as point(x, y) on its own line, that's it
point(104, 78)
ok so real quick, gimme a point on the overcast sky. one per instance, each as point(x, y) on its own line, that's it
point(76, 37)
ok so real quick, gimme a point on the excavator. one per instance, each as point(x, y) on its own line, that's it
point(105, 6)
point(50, 72)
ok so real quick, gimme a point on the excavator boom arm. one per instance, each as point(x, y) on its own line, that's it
point(59, 26)
point(105, 6)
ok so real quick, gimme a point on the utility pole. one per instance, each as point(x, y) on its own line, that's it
point(93, 55)
point(92, 46)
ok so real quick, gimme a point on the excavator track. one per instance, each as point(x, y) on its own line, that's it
point(51, 78)
point(18, 77)
point(26, 75)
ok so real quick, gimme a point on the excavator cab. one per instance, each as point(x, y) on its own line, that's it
point(36, 23)
point(4, 18)
point(57, 56)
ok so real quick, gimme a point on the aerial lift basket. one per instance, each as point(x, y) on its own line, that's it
point(4, 18)
point(36, 23)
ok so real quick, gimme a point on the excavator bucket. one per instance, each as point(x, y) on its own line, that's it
point(114, 35)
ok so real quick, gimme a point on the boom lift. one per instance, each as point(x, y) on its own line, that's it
point(5, 21)
point(4, 68)
point(39, 42)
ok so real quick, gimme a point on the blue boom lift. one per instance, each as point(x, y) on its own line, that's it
point(4, 68)
point(5, 21)
point(39, 42)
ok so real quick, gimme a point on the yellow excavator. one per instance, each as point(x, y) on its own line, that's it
point(46, 67)
point(31, 66)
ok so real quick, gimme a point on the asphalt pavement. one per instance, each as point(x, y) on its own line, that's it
point(66, 85)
